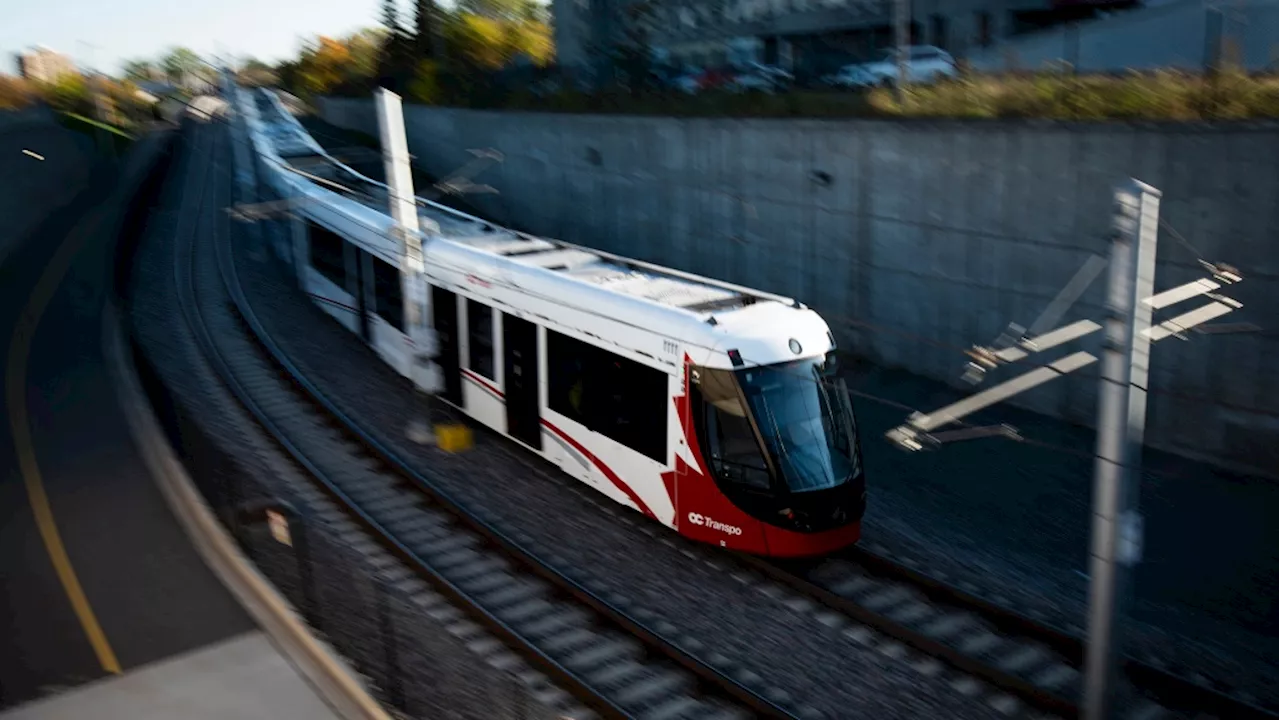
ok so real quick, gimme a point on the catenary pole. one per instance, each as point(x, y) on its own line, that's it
point(1115, 545)
point(404, 211)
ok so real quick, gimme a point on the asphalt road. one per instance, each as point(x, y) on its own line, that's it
point(96, 576)
point(38, 183)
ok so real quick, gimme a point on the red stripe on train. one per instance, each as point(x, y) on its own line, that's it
point(613, 477)
point(480, 380)
point(604, 469)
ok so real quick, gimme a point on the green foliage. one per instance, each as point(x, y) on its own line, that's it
point(142, 70)
point(181, 63)
point(1062, 96)
point(345, 66)
point(322, 66)
point(70, 93)
point(1167, 96)
point(425, 86)
point(513, 10)
point(255, 73)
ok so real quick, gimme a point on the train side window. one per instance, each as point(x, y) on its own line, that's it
point(327, 254)
point(567, 376)
point(388, 302)
point(480, 338)
point(609, 394)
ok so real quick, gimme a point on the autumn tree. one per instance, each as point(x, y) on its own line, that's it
point(322, 65)
point(15, 93)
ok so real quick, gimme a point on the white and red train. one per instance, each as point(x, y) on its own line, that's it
point(710, 408)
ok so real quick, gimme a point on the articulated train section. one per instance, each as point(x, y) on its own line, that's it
point(660, 516)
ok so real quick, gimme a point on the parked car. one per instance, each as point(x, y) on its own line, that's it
point(779, 76)
point(750, 82)
point(925, 63)
point(688, 81)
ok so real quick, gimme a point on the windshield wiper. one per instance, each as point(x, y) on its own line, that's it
point(782, 443)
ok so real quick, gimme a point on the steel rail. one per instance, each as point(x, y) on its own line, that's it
point(709, 681)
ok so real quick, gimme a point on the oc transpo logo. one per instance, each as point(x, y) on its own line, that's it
point(705, 521)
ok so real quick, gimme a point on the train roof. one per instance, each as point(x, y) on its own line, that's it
point(491, 251)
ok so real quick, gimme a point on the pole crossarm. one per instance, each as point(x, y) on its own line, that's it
point(920, 431)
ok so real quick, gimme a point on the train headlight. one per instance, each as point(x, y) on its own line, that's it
point(794, 344)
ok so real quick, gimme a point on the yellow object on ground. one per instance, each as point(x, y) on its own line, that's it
point(453, 438)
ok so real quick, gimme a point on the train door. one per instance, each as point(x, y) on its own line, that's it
point(363, 267)
point(520, 347)
point(444, 310)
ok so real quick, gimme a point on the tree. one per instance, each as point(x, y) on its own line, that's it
point(323, 66)
point(396, 63)
point(364, 47)
point(182, 64)
point(141, 70)
point(15, 93)
point(500, 9)
point(255, 73)
point(424, 26)
point(391, 18)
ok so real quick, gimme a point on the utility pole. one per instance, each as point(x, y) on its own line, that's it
point(1116, 540)
point(901, 23)
point(423, 372)
point(1122, 411)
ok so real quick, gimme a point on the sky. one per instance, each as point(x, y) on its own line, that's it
point(269, 30)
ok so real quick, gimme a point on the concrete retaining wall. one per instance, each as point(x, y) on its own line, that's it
point(914, 239)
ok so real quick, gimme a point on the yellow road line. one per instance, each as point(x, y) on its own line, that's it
point(16, 393)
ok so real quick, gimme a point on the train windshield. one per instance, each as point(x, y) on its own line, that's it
point(799, 411)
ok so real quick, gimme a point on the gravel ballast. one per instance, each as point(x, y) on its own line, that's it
point(768, 640)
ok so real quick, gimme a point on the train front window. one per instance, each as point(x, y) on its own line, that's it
point(804, 418)
point(731, 443)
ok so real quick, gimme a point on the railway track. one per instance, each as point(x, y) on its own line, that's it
point(593, 650)
point(1038, 664)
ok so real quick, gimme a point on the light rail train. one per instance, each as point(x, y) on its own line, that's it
point(708, 407)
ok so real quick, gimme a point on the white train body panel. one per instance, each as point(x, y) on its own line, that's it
point(659, 319)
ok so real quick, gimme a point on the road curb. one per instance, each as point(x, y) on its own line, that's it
point(331, 677)
point(324, 669)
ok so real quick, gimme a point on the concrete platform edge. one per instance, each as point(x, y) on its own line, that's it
point(327, 672)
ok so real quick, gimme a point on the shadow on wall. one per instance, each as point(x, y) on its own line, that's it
point(914, 239)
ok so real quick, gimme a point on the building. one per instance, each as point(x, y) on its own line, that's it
point(807, 36)
point(40, 64)
point(1189, 35)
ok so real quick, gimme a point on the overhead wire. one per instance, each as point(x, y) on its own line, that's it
point(1028, 361)
point(857, 322)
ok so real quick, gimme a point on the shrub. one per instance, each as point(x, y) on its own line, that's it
point(15, 93)
point(1051, 94)
point(69, 93)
